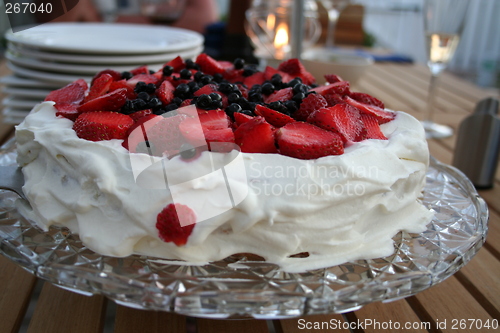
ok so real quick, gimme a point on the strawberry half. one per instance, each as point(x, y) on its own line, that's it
point(240, 118)
point(281, 95)
point(114, 74)
point(306, 141)
point(255, 136)
point(332, 78)
point(175, 223)
point(112, 101)
point(165, 92)
point(273, 117)
point(137, 134)
point(177, 64)
point(372, 128)
point(165, 136)
point(146, 78)
point(256, 78)
point(340, 88)
point(99, 87)
point(295, 68)
point(341, 118)
point(382, 116)
point(140, 70)
point(102, 125)
point(72, 93)
point(367, 99)
point(310, 104)
point(209, 65)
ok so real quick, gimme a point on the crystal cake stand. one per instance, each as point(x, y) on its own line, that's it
point(240, 287)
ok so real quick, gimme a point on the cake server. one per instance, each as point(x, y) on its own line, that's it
point(12, 179)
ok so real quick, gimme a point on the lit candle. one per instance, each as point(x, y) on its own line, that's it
point(281, 41)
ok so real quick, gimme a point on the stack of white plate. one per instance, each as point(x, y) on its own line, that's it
point(52, 55)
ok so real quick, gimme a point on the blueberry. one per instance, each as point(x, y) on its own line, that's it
point(225, 88)
point(126, 75)
point(190, 64)
point(181, 90)
point(294, 82)
point(150, 88)
point(298, 97)
point(139, 104)
point(128, 107)
point(151, 72)
point(255, 97)
point(300, 88)
point(197, 76)
point(216, 105)
point(276, 80)
point(206, 79)
point(291, 106)
point(247, 112)
point(233, 97)
point(159, 111)
point(231, 109)
point(187, 151)
point(215, 97)
point(238, 63)
point(154, 103)
point(177, 100)
point(267, 88)
point(185, 74)
point(143, 95)
point(278, 106)
point(249, 70)
point(204, 101)
point(171, 107)
point(168, 70)
point(218, 77)
point(193, 86)
point(140, 86)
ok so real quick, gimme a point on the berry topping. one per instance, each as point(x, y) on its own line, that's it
point(341, 118)
point(175, 223)
point(273, 117)
point(295, 68)
point(255, 136)
point(366, 99)
point(102, 125)
point(380, 114)
point(310, 104)
point(112, 101)
point(209, 65)
point(306, 141)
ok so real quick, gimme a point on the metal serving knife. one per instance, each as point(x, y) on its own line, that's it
point(12, 179)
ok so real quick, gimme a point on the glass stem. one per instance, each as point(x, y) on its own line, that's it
point(431, 98)
point(333, 16)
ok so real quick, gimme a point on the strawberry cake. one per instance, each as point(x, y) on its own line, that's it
point(206, 159)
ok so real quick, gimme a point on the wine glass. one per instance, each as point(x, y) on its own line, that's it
point(333, 8)
point(443, 24)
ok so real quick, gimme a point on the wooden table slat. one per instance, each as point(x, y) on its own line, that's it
point(237, 326)
point(62, 311)
point(130, 320)
point(16, 286)
point(310, 323)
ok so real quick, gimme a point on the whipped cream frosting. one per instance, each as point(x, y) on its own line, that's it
point(335, 208)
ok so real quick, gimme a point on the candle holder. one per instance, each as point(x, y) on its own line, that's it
point(269, 26)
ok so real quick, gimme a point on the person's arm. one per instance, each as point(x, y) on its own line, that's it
point(197, 15)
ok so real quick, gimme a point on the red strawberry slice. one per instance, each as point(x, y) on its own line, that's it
point(139, 114)
point(137, 134)
point(140, 70)
point(165, 92)
point(186, 102)
point(175, 223)
point(165, 136)
point(220, 136)
point(367, 99)
point(67, 110)
point(241, 118)
point(102, 125)
point(332, 78)
point(177, 64)
point(114, 74)
point(281, 95)
point(123, 84)
point(226, 64)
point(372, 128)
point(82, 83)
point(197, 129)
point(243, 89)
point(206, 90)
point(99, 87)
point(146, 78)
point(333, 99)
point(310, 104)
point(112, 101)
point(255, 136)
point(306, 141)
point(295, 68)
point(255, 78)
point(73, 93)
point(340, 88)
point(273, 117)
point(209, 65)
point(233, 75)
point(341, 118)
point(382, 116)
point(214, 119)
point(269, 72)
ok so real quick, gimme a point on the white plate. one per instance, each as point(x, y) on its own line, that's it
point(20, 103)
point(46, 76)
point(106, 38)
point(17, 81)
point(68, 69)
point(104, 59)
point(26, 92)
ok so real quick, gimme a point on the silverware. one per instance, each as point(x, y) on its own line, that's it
point(12, 179)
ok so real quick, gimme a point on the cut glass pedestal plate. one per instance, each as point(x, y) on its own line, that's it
point(238, 286)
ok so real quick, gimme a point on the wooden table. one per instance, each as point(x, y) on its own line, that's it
point(28, 304)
